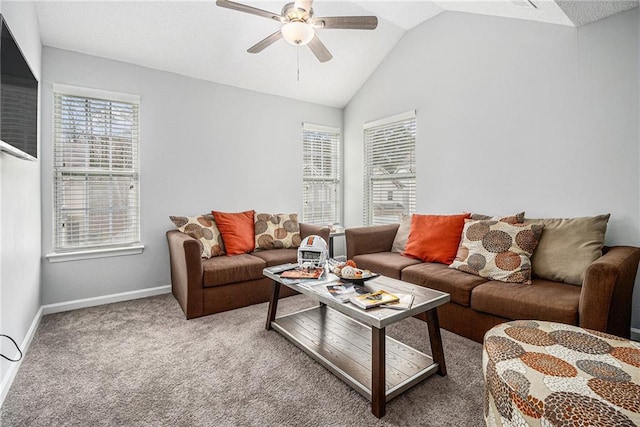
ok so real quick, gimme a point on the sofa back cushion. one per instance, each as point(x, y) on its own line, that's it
point(498, 250)
point(279, 231)
point(237, 231)
point(568, 246)
point(402, 235)
point(435, 238)
point(204, 229)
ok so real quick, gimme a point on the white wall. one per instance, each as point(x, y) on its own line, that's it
point(19, 211)
point(513, 115)
point(204, 146)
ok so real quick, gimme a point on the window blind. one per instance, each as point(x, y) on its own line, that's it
point(96, 172)
point(321, 175)
point(390, 169)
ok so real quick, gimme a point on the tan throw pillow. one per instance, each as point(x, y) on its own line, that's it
point(202, 228)
point(568, 246)
point(497, 250)
point(513, 219)
point(402, 235)
point(278, 231)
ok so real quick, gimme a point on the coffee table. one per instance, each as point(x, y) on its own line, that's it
point(351, 342)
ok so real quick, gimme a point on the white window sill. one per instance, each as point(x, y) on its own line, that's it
point(94, 253)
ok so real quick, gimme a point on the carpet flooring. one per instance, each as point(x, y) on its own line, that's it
point(140, 363)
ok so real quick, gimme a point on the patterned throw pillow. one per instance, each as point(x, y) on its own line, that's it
point(277, 231)
point(513, 219)
point(203, 228)
point(498, 250)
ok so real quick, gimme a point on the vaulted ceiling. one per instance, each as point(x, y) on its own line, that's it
point(201, 40)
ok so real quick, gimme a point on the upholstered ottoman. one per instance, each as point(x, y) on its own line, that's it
point(550, 374)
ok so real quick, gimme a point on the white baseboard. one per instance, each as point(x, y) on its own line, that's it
point(635, 334)
point(67, 306)
point(106, 299)
point(5, 385)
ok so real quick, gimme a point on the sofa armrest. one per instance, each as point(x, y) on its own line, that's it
point(309, 229)
point(605, 300)
point(371, 239)
point(186, 272)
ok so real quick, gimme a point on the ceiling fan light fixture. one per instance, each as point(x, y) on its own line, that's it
point(298, 33)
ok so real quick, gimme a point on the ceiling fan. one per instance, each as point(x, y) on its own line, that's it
point(300, 24)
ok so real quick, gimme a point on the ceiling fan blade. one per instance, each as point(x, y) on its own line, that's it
point(265, 43)
point(249, 9)
point(347, 22)
point(319, 49)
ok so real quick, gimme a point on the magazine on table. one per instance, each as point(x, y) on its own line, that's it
point(316, 285)
point(302, 273)
point(405, 301)
point(374, 299)
point(342, 291)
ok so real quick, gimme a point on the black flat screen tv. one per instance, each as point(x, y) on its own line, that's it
point(18, 100)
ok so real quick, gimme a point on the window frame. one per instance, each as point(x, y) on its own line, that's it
point(134, 245)
point(335, 136)
point(388, 124)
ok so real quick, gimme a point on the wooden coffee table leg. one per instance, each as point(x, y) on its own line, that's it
point(378, 371)
point(436, 341)
point(273, 304)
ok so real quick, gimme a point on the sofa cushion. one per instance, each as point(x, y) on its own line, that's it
point(386, 263)
point(237, 231)
point(402, 235)
point(231, 269)
point(542, 300)
point(435, 238)
point(278, 256)
point(276, 231)
point(204, 229)
point(567, 247)
point(441, 278)
point(498, 250)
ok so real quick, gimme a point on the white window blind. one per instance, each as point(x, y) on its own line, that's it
point(96, 170)
point(390, 169)
point(321, 175)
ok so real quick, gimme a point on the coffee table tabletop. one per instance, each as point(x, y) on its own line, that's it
point(351, 342)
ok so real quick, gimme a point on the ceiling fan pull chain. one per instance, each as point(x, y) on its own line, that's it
point(298, 62)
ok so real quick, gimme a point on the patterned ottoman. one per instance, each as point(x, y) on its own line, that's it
point(550, 374)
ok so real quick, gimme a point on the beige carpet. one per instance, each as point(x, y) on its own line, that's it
point(140, 363)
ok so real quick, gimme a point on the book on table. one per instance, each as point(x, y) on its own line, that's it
point(405, 301)
point(302, 273)
point(374, 299)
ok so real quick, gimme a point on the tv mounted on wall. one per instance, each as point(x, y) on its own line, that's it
point(18, 100)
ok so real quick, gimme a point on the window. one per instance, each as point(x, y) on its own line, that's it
point(96, 170)
point(321, 175)
point(390, 169)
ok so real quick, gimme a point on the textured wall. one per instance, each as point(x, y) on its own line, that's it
point(203, 146)
point(514, 115)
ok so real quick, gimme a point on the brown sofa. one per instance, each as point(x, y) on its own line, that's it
point(207, 286)
point(602, 303)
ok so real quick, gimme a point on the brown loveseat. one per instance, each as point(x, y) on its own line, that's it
point(602, 303)
point(207, 286)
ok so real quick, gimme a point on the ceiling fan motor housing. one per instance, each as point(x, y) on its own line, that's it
point(294, 14)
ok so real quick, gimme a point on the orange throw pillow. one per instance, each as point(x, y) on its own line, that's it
point(237, 231)
point(434, 238)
